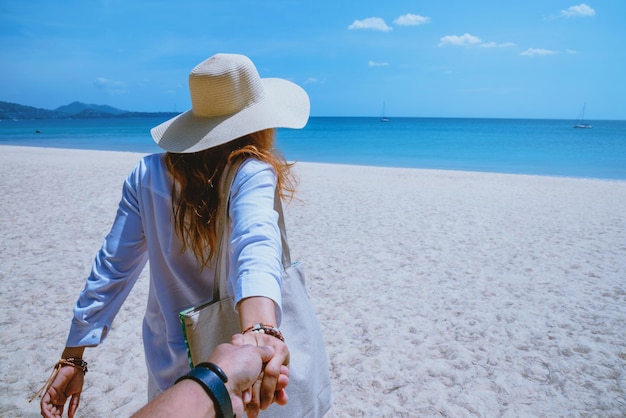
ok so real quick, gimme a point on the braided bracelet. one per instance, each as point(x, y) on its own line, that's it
point(266, 329)
point(78, 363)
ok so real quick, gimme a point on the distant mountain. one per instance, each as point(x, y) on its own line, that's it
point(75, 110)
point(16, 111)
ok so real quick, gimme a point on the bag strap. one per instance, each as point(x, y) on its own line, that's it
point(278, 207)
point(220, 281)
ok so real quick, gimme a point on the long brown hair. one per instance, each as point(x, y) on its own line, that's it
point(196, 193)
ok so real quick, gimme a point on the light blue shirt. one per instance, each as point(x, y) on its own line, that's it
point(143, 230)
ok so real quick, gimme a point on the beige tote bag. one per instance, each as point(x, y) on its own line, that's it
point(215, 322)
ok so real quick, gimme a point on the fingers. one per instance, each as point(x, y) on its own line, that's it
point(238, 339)
point(53, 401)
point(73, 406)
point(67, 383)
point(280, 396)
point(283, 379)
point(254, 406)
point(50, 409)
point(265, 352)
point(276, 374)
point(246, 396)
point(46, 410)
point(271, 384)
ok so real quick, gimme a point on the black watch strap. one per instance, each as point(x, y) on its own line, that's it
point(214, 387)
point(217, 369)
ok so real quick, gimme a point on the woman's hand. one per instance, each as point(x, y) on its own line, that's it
point(270, 387)
point(68, 384)
point(275, 377)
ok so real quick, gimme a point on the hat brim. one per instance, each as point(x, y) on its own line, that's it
point(285, 105)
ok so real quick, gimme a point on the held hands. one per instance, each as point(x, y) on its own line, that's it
point(268, 386)
point(242, 365)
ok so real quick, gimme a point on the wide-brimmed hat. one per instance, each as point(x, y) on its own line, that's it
point(230, 100)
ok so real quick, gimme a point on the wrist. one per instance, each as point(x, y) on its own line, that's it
point(77, 363)
point(213, 384)
point(73, 352)
point(194, 395)
point(268, 329)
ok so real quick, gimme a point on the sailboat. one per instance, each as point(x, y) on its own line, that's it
point(384, 118)
point(581, 121)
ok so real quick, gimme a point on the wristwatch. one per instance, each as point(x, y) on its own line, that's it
point(212, 379)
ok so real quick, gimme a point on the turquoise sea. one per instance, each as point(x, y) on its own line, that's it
point(543, 147)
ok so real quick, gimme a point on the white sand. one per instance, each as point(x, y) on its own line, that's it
point(440, 293)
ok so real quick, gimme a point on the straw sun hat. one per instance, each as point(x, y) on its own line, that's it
point(230, 100)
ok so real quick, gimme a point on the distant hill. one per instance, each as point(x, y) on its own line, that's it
point(75, 110)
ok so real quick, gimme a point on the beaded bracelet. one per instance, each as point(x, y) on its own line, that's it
point(79, 363)
point(266, 329)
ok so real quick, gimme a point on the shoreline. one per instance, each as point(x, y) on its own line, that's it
point(440, 292)
point(140, 154)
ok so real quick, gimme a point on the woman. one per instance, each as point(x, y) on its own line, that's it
point(167, 216)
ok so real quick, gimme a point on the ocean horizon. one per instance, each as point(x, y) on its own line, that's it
point(516, 146)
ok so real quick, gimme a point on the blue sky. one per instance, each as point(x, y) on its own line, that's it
point(450, 58)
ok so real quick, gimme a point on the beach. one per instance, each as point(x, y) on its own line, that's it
point(440, 293)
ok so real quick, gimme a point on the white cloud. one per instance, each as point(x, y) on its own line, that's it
point(572, 52)
point(497, 45)
point(373, 23)
point(463, 40)
point(311, 80)
point(106, 82)
point(410, 19)
point(582, 10)
point(531, 52)
point(110, 86)
point(377, 64)
point(471, 40)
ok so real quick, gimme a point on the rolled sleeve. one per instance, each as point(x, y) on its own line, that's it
point(255, 250)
